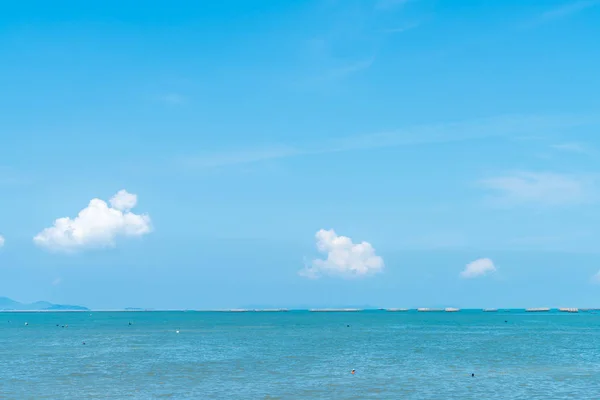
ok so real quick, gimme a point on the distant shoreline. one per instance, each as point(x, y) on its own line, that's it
point(331, 310)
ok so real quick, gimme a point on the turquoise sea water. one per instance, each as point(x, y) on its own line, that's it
point(299, 355)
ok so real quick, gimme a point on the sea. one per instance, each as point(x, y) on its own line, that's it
point(300, 355)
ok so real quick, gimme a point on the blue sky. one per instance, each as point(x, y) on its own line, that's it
point(441, 133)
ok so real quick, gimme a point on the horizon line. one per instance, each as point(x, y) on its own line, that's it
point(276, 310)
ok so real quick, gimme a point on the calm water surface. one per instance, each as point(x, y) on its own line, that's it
point(299, 355)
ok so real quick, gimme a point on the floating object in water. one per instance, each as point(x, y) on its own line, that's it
point(347, 326)
point(473, 375)
point(130, 323)
point(540, 309)
point(353, 372)
point(83, 342)
point(177, 331)
point(450, 309)
point(570, 310)
point(26, 323)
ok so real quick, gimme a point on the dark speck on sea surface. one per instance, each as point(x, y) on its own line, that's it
point(249, 356)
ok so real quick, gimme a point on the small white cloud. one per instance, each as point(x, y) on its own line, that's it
point(344, 258)
point(540, 188)
point(1, 241)
point(123, 201)
point(479, 267)
point(97, 225)
point(56, 282)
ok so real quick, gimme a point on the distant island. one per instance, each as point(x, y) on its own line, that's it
point(7, 304)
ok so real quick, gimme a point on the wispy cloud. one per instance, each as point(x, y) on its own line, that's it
point(9, 176)
point(348, 69)
point(573, 148)
point(564, 240)
point(173, 99)
point(541, 189)
point(499, 127)
point(567, 9)
point(401, 29)
point(389, 4)
point(241, 157)
point(347, 43)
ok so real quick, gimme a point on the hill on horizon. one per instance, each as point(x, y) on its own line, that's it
point(7, 304)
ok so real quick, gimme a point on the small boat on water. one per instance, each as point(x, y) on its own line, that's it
point(450, 309)
point(429, 310)
point(397, 309)
point(490, 310)
point(538, 309)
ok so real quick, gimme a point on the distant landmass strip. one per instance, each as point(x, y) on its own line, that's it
point(7, 304)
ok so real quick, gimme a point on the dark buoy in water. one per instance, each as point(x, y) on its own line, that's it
point(347, 326)
point(83, 342)
point(130, 323)
point(505, 322)
point(473, 375)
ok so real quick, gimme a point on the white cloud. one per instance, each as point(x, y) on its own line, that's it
point(479, 267)
point(97, 225)
point(543, 188)
point(344, 258)
point(123, 201)
point(1, 241)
